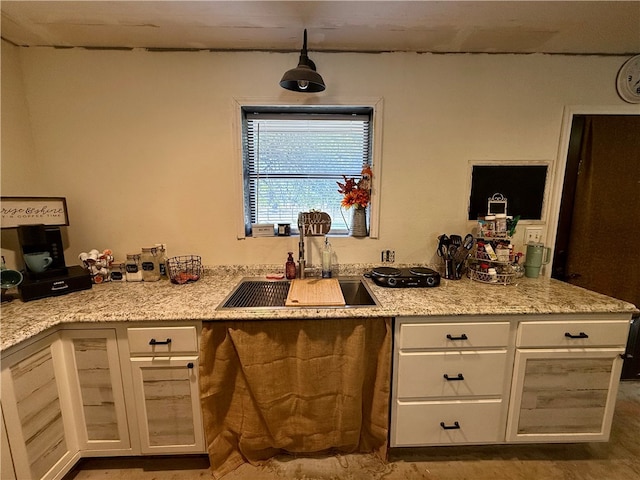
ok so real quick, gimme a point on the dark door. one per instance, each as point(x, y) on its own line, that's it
point(598, 241)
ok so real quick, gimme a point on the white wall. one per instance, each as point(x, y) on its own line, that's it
point(142, 143)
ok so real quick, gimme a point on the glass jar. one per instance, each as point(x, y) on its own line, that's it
point(161, 252)
point(132, 268)
point(501, 224)
point(118, 272)
point(149, 263)
point(489, 226)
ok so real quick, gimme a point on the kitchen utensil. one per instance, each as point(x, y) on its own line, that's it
point(468, 241)
point(315, 292)
point(461, 254)
point(450, 270)
point(443, 245)
point(456, 240)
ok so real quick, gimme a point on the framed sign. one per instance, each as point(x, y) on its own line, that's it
point(314, 223)
point(497, 203)
point(18, 211)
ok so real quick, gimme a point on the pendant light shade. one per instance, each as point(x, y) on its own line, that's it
point(304, 77)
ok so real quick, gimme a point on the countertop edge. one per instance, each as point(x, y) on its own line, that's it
point(165, 302)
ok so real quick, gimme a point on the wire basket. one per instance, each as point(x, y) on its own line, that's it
point(496, 278)
point(184, 269)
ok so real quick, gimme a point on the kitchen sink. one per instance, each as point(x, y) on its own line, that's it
point(260, 293)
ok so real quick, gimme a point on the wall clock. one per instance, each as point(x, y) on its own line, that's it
point(628, 81)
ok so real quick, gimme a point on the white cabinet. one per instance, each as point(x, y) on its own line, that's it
point(164, 371)
point(96, 390)
point(450, 382)
point(37, 412)
point(566, 377)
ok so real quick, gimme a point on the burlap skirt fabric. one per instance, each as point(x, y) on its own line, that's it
point(294, 386)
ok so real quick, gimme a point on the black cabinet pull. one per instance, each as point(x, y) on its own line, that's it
point(455, 426)
point(450, 379)
point(153, 341)
point(190, 365)
point(461, 337)
point(580, 335)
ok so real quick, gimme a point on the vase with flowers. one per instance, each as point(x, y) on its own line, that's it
point(357, 194)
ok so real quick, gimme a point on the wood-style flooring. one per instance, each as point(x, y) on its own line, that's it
point(618, 459)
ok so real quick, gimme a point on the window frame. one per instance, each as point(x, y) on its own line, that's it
point(376, 147)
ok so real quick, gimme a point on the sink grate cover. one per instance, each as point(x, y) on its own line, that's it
point(259, 294)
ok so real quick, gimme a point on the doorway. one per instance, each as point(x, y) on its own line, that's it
point(599, 219)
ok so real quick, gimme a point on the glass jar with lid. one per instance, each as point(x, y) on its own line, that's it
point(117, 272)
point(132, 268)
point(501, 224)
point(149, 263)
point(489, 226)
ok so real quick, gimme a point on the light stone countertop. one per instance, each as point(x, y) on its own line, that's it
point(163, 301)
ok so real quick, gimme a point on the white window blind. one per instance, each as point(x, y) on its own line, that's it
point(293, 159)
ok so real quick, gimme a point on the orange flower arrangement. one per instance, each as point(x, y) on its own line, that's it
point(356, 193)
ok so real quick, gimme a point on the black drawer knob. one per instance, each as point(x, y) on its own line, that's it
point(153, 341)
point(451, 379)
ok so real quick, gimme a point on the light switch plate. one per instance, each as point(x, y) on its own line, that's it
point(533, 235)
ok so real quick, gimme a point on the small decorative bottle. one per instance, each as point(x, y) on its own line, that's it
point(326, 259)
point(290, 267)
point(132, 267)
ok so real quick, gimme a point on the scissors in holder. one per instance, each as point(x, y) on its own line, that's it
point(443, 245)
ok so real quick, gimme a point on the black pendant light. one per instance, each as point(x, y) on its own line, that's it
point(304, 77)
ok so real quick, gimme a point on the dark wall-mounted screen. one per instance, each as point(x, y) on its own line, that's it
point(522, 185)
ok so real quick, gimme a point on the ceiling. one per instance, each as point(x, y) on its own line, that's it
point(560, 27)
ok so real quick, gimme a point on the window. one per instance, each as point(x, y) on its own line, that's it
point(293, 157)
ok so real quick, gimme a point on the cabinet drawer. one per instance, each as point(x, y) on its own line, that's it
point(421, 423)
point(573, 334)
point(163, 340)
point(453, 335)
point(423, 374)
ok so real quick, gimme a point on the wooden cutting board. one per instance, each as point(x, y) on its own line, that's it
point(315, 292)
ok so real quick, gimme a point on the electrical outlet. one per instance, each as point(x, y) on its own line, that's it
point(532, 235)
point(388, 256)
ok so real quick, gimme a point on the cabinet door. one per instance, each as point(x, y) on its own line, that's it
point(7, 471)
point(563, 395)
point(96, 386)
point(168, 404)
point(31, 404)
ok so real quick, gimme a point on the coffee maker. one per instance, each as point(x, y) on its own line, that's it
point(43, 238)
point(56, 278)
